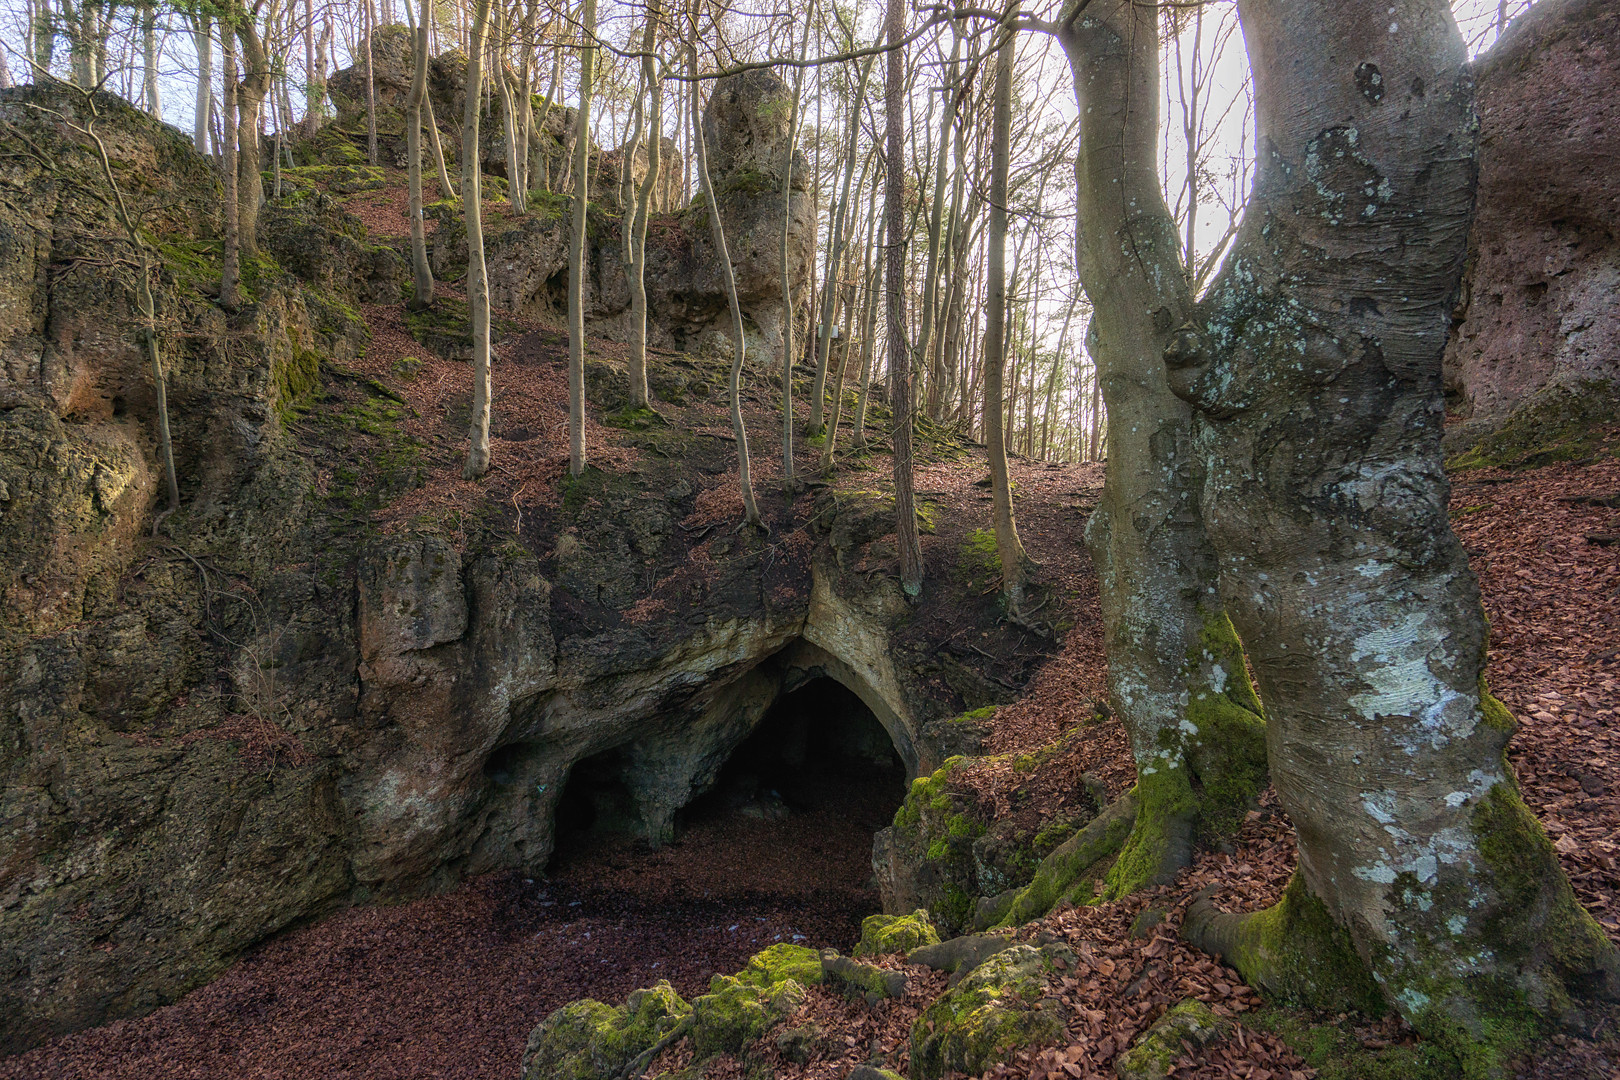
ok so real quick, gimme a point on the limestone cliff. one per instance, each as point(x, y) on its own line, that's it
point(304, 689)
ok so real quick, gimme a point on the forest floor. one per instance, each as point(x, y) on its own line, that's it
point(449, 986)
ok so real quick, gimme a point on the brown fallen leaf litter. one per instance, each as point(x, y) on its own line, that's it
point(449, 986)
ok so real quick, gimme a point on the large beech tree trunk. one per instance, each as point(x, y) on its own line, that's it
point(1175, 670)
point(1315, 366)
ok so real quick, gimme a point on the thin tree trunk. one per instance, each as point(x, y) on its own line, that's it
point(906, 539)
point(230, 264)
point(421, 272)
point(716, 226)
point(830, 445)
point(447, 190)
point(477, 272)
point(202, 37)
point(789, 473)
point(636, 234)
point(371, 87)
point(149, 62)
point(836, 228)
point(997, 314)
point(869, 332)
point(576, 249)
point(935, 222)
point(515, 195)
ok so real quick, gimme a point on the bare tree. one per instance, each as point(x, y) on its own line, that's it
point(1008, 545)
point(905, 508)
point(576, 247)
point(636, 228)
point(472, 195)
point(421, 272)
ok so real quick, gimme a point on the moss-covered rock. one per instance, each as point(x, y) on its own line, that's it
point(884, 934)
point(1151, 1056)
point(995, 1011)
point(1560, 423)
point(739, 1009)
point(734, 1013)
point(587, 1040)
point(866, 982)
point(945, 851)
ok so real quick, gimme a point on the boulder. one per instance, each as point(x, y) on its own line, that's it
point(882, 935)
point(997, 1010)
point(866, 982)
point(587, 1040)
point(1155, 1051)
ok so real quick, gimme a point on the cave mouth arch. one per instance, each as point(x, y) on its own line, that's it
point(810, 782)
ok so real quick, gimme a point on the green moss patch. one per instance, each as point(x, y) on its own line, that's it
point(1191, 1023)
point(987, 1017)
point(885, 934)
point(587, 1040)
point(1336, 1051)
point(1560, 423)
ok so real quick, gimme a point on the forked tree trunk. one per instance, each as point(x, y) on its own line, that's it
point(576, 250)
point(472, 195)
point(1316, 372)
point(421, 272)
point(1175, 670)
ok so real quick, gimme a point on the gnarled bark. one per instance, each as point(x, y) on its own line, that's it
point(1316, 371)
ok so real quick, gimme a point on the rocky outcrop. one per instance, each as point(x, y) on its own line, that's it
point(276, 706)
point(686, 299)
point(1539, 308)
point(550, 144)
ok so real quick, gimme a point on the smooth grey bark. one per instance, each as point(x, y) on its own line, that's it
point(1175, 670)
point(636, 234)
point(472, 195)
point(894, 107)
point(421, 271)
point(149, 61)
point(1315, 367)
point(202, 37)
point(447, 190)
point(576, 248)
point(1009, 548)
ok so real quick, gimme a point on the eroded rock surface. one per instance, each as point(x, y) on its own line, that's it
point(1545, 261)
point(277, 705)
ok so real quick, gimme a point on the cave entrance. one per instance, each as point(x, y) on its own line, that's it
point(791, 811)
point(817, 748)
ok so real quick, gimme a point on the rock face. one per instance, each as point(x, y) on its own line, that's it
point(1539, 293)
point(686, 299)
point(276, 706)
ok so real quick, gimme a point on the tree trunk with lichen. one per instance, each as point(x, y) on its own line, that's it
point(1175, 669)
point(1315, 368)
